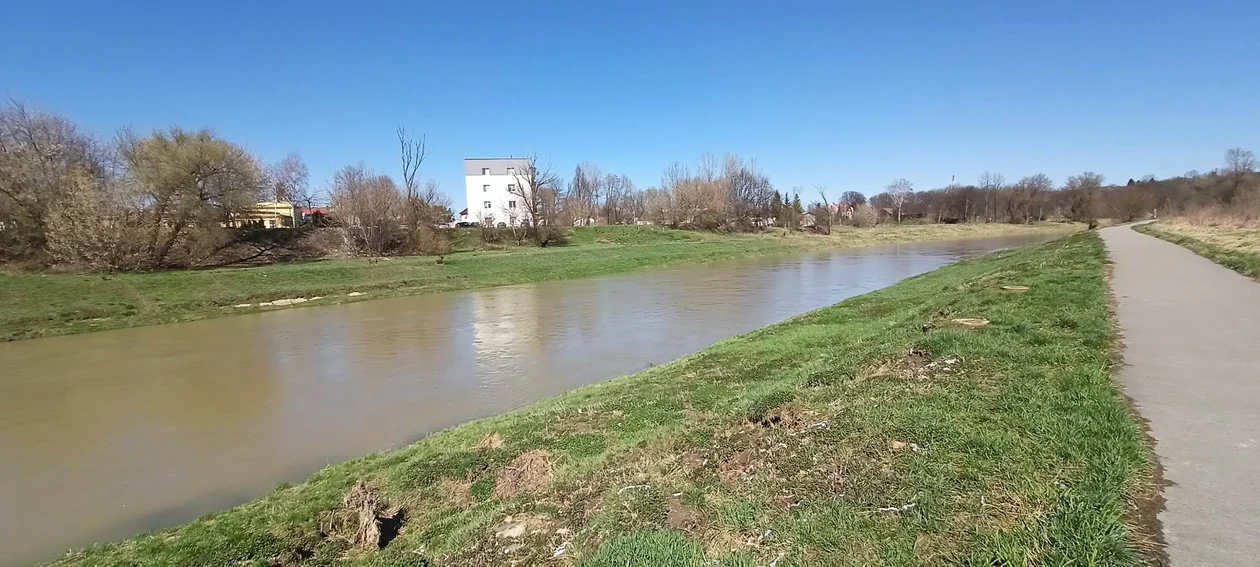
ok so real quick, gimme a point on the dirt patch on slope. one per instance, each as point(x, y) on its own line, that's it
point(684, 517)
point(526, 473)
point(491, 441)
point(458, 492)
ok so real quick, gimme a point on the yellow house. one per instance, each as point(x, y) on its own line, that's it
point(269, 215)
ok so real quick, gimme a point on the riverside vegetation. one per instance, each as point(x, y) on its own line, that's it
point(878, 431)
point(45, 304)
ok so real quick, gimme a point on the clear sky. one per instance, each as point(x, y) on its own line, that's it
point(848, 94)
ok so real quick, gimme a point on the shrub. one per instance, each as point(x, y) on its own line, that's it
point(865, 216)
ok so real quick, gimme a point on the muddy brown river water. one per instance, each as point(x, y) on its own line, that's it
point(110, 434)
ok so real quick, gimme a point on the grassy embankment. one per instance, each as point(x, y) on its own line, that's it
point(36, 305)
point(1233, 246)
point(853, 435)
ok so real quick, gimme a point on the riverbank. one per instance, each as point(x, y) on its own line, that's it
point(1233, 246)
point(37, 305)
point(875, 431)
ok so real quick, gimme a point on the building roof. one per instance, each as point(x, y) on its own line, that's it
point(497, 166)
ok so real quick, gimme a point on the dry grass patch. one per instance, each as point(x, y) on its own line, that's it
point(1235, 246)
point(490, 441)
point(456, 492)
point(1240, 237)
point(527, 473)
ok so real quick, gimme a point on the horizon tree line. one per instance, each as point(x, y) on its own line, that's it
point(176, 198)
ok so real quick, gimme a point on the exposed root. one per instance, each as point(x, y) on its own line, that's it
point(374, 525)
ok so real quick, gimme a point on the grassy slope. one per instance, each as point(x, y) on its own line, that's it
point(1237, 248)
point(1020, 452)
point(37, 305)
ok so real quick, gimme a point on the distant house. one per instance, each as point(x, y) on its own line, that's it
point(268, 214)
point(495, 189)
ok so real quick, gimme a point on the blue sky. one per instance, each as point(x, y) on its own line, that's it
point(848, 95)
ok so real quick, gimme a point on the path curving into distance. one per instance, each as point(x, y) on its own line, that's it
point(1192, 366)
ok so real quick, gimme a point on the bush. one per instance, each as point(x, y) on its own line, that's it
point(90, 229)
point(428, 241)
point(865, 216)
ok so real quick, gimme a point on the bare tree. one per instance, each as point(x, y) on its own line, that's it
point(369, 207)
point(749, 192)
point(701, 200)
point(1084, 194)
point(98, 226)
point(1240, 164)
point(1023, 195)
point(708, 169)
point(584, 193)
point(617, 188)
point(539, 190)
point(287, 179)
point(424, 206)
point(822, 214)
point(1239, 161)
point(634, 203)
point(668, 199)
point(42, 157)
point(413, 152)
point(853, 198)
point(1133, 202)
point(899, 191)
point(192, 185)
point(991, 184)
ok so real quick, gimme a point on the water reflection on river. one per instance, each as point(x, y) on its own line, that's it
point(108, 434)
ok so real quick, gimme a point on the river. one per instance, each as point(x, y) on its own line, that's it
point(109, 434)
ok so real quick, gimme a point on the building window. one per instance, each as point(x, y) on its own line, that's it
point(511, 186)
point(511, 171)
point(486, 205)
point(485, 171)
point(511, 204)
point(485, 188)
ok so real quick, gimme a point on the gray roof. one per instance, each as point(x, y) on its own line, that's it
point(498, 166)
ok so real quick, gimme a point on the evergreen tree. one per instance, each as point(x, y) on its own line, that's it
point(797, 212)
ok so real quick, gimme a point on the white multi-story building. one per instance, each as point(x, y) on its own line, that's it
point(491, 188)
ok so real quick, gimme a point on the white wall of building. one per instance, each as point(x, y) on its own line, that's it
point(489, 195)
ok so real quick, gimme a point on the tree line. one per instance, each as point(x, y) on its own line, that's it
point(1087, 197)
point(179, 198)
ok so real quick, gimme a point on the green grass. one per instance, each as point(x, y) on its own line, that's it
point(37, 305)
point(871, 432)
point(1233, 247)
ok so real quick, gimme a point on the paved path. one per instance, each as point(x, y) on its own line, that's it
point(1192, 364)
